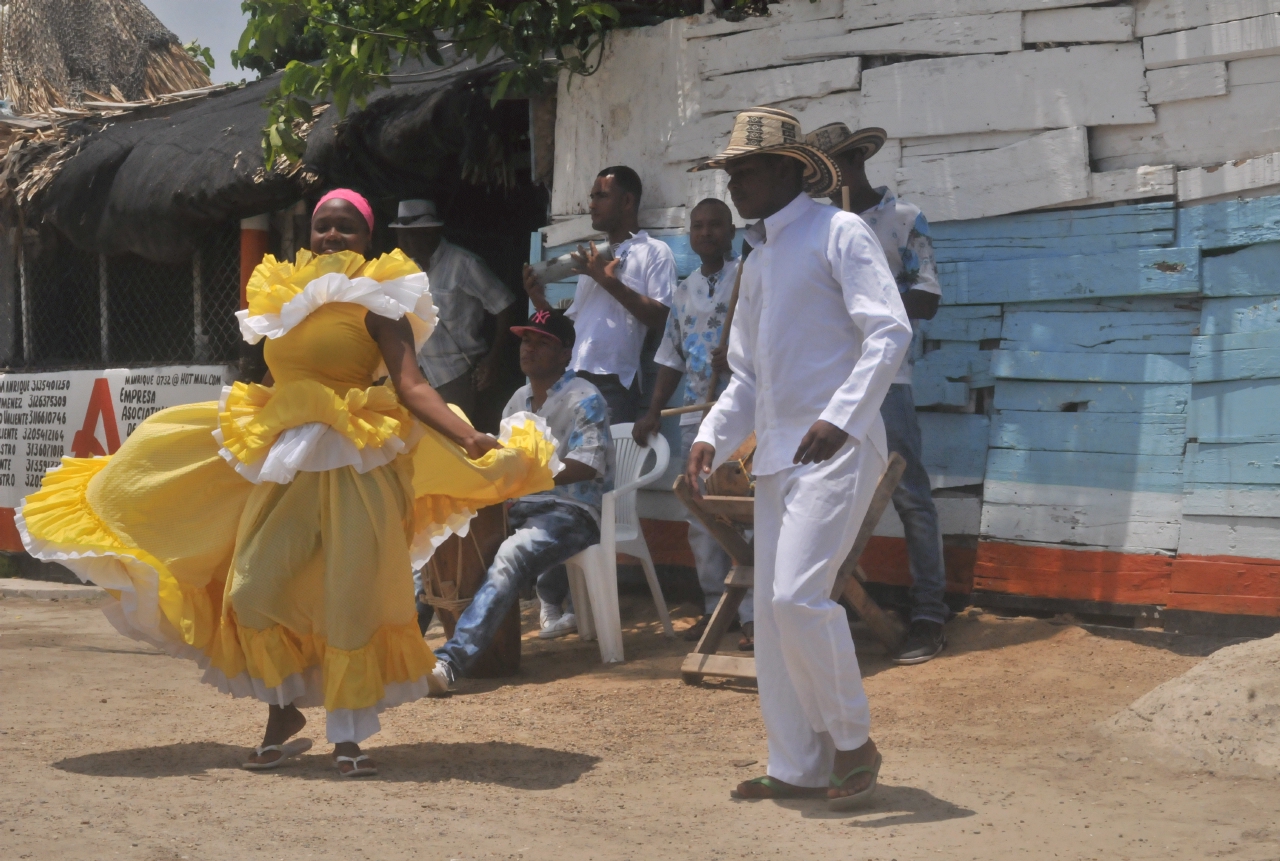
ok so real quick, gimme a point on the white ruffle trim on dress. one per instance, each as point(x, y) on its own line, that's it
point(313, 447)
point(391, 299)
point(137, 615)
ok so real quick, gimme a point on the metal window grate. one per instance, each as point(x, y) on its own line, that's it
point(78, 309)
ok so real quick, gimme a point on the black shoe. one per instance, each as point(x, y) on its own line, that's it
point(694, 634)
point(924, 641)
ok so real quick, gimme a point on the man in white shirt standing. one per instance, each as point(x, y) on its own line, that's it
point(816, 341)
point(690, 350)
point(455, 359)
point(903, 232)
point(617, 300)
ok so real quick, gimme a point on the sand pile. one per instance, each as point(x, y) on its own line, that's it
point(1223, 714)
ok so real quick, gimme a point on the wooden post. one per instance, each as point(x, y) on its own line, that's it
point(24, 294)
point(199, 343)
point(255, 241)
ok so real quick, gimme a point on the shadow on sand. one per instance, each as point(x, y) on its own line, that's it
point(892, 805)
point(518, 766)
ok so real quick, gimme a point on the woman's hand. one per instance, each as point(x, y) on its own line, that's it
point(476, 444)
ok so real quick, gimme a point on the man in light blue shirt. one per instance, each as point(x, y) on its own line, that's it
point(548, 527)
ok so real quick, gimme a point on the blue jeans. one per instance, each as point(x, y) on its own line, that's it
point(914, 502)
point(545, 534)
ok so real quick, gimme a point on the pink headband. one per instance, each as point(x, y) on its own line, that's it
point(352, 197)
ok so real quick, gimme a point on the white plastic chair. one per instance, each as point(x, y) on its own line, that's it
point(593, 573)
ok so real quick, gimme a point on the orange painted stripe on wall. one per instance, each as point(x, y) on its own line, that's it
point(10, 540)
point(1227, 575)
point(1085, 575)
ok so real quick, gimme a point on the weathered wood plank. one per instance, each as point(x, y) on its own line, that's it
point(1105, 519)
point(1162, 331)
point(915, 149)
point(1241, 501)
point(728, 666)
point(1252, 271)
point(1190, 133)
point(1235, 411)
point(1242, 175)
point(934, 390)
point(1142, 272)
point(1230, 223)
point(1089, 85)
point(729, 93)
point(1106, 24)
point(1165, 16)
point(1207, 345)
point(1049, 168)
point(1251, 463)
point(1115, 186)
point(1140, 472)
point(1056, 234)
point(757, 49)
point(874, 13)
point(1230, 40)
point(962, 323)
point(787, 12)
point(956, 516)
point(955, 448)
point(1239, 314)
point(1090, 367)
point(1202, 535)
point(1117, 433)
point(1262, 363)
point(1187, 82)
point(1093, 397)
point(972, 34)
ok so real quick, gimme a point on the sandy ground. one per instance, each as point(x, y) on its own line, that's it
point(109, 750)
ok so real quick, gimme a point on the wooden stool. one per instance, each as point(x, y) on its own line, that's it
point(723, 516)
point(456, 572)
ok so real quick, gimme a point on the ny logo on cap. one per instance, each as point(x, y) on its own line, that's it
point(542, 317)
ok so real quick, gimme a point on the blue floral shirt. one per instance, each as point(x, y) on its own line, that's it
point(903, 232)
point(698, 308)
point(576, 414)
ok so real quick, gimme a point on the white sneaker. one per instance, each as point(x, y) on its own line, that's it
point(548, 614)
point(441, 681)
point(566, 624)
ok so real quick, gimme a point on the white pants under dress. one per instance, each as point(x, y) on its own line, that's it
point(811, 694)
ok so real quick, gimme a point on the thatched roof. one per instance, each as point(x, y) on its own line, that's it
point(57, 53)
point(149, 178)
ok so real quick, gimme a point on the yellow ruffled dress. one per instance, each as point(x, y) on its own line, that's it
point(271, 537)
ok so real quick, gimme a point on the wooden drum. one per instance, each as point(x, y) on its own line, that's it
point(456, 572)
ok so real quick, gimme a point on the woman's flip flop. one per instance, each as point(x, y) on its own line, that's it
point(356, 770)
point(849, 802)
point(288, 750)
point(775, 789)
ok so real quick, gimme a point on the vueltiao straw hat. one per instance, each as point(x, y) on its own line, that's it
point(769, 131)
point(835, 139)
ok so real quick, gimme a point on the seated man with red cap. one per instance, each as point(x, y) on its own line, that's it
point(552, 526)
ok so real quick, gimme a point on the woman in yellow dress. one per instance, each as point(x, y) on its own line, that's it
point(271, 536)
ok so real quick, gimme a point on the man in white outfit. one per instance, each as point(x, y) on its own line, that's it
point(816, 341)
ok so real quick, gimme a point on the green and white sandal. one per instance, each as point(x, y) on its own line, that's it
point(776, 789)
point(850, 802)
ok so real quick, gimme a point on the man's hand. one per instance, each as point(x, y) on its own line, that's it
point(646, 427)
point(591, 264)
point(487, 371)
point(720, 362)
point(476, 444)
point(537, 292)
point(821, 442)
point(699, 465)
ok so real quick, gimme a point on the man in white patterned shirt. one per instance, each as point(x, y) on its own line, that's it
point(690, 350)
point(455, 359)
point(903, 232)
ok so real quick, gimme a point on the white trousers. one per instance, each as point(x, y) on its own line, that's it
point(811, 694)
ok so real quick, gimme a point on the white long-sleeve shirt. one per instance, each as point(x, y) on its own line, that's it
point(819, 333)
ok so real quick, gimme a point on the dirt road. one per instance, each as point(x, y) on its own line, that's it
point(109, 750)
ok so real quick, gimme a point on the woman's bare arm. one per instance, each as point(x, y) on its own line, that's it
point(395, 340)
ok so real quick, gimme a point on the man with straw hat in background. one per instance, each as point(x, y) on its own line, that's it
point(815, 343)
point(903, 232)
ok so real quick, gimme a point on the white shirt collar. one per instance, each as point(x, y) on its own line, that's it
point(759, 235)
